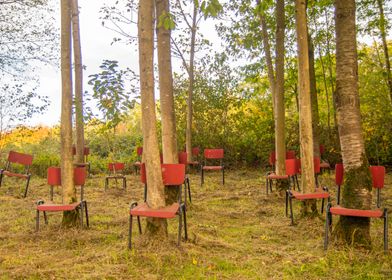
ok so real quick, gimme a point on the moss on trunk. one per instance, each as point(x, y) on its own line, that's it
point(157, 228)
point(171, 194)
point(71, 219)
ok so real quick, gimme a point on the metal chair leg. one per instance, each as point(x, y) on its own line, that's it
point(189, 189)
point(51, 193)
point(185, 225)
point(130, 233)
point(326, 229)
point(322, 205)
point(291, 209)
point(106, 184)
point(266, 185)
point(45, 218)
point(139, 224)
point(27, 186)
point(86, 212)
point(179, 226)
point(1, 178)
point(287, 201)
point(124, 183)
point(81, 210)
point(202, 176)
point(223, 176)
point(338, 198)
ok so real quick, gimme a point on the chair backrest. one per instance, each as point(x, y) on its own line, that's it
point(291, 167)
point(54, 176)
point(378, 176)
point(182, 157)
point(290, 154)
point(86, 151)
point(322, 149)
point(339, 173)
point(139, 151)
point(213, 153)
point(195, 151)
point(298, 165)
point(272, 158)
point(24, 159)
point(116, 166)
point(143, 175)
point(316, 162)
point(173, 174)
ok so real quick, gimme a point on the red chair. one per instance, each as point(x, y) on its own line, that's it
point(291, 172)
point(319, 193)
point(172, 175)
point(183, 159)
point(272, 160)
point(20, 159)
point(213, 155)
point(378, 175)
point(116, 170)
point(339, 173)
point(86, 152)
point(290, 154)
point(138, 162)
point(54, 179)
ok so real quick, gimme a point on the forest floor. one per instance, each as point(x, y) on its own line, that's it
point(236, 231)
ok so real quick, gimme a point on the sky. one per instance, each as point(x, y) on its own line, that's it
point(96, 46)
point(96, 42)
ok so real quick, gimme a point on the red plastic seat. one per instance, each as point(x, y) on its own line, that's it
point(172, 175)
point(183, 159)
point(116, 170)
point(86, 163)
point(54, 179)
point(291, 172)
point(339, 173)
point(290, 154)
point(378, 176)
point(19, 159)
point(213, 155)
point(138, 162)
point(319, 193)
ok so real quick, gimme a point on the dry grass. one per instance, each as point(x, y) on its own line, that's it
point(236, 232)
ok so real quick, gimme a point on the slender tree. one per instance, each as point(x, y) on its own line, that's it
point(67, 182)
point(155, 190)
point(305, 108)
point(79, 122)
point(276, 81)
point(357, 181)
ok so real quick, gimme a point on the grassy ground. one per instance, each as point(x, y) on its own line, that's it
point(236, 232)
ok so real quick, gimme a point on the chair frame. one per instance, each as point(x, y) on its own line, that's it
point(113, 168)
point(292, 177)
point(183, 159)
point(371, 213)
point(180, 212)
point(86, 152)
point(54, 179)
point(213, 154)
point(138, 162)
point(22, 159)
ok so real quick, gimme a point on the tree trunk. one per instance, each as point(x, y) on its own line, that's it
point(155, 190)
point(79, 122)
point(314, 100)
point(305, 108)
point(67, 182)
point(357, 186)
point(189, 113)
point(383, 35)
point(280, 143)
point(169, 134)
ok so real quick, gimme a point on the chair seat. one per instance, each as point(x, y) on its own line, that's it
point(325, 165)
point(274, 176)
point(211, 167)
point(81, 164)
point(318, 194)
point(338, 210)
point(57, 207)
point(193, 162)
point(13, 174)
point(145, 211)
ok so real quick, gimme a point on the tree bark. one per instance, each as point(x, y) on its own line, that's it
point(305, 108)
point(383, 35)
point(67, 182)
point(314, 100)
point(280, 143)
point(191, 70)
point(357, 187)
point(79, 122)
point(155, 190)
point(169, 134)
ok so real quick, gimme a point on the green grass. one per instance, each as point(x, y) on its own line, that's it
point(235, 231)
